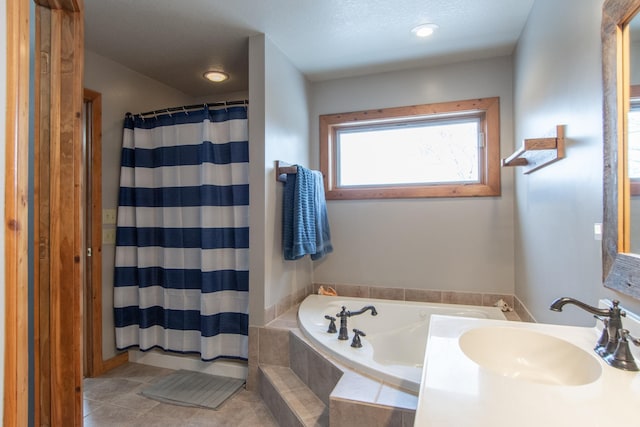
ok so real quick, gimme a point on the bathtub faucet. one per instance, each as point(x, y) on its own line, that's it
point(343, 334)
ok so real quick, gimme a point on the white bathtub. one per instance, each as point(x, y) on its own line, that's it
point(395, 342)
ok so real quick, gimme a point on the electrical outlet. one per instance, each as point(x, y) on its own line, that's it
point(108, 236)
point(109, 216)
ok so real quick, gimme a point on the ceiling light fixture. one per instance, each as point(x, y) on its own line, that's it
point(216, 76)
point(424, 30)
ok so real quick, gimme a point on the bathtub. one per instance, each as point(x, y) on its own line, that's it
point(394, 346)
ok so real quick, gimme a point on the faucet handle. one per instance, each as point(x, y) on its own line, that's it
point(601, 345)
point(332, 324)
point(625, 333)
point(622, 358)
point(356, 338)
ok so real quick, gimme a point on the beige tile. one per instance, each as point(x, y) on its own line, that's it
point(422, 295)
point(358, 291)
point(111, 415)
point(353, 386)
point(88, 406)
point(107, 389)
point(467, 298)
point(345, 413)
point(254, 340)
point(137, 372)
point(512, 315)
point(172, 412)
point(489, 300)
point(390, 396)
point(396, 294)
point(134, 401)
point(283, 305)
point(274, 347)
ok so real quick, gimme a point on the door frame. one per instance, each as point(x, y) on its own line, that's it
point(62, 68)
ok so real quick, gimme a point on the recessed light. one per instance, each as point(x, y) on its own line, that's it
point(424, 30)
point(216, 76)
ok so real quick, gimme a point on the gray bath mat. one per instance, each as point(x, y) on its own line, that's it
point(188, 388)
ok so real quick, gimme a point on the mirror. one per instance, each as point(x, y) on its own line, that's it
point(620, 64)
point(632, 149)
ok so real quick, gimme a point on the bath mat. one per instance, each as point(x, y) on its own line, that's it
point(188, 388)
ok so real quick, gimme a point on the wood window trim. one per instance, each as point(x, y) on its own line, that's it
point(634, 184)
point(490, 185)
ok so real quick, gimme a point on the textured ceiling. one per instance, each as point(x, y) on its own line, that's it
point(176, 41)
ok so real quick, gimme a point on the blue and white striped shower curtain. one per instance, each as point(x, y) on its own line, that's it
point(182, 243)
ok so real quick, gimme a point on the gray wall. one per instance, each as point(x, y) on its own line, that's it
point(123, 90)
point(278, 130)
point(459, 244)
point(558, 80)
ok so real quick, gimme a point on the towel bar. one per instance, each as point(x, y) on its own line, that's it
point(282, 169)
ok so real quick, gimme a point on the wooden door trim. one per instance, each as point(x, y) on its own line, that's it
point(16, 369)
point(97, 364)
point(66, 63)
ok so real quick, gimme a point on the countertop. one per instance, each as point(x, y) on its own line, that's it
point(456, 391)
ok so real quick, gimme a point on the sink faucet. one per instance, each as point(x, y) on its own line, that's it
point(613, 334)
point(343, 334)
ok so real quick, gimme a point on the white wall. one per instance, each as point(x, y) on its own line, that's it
point(279, 130)
point(558, 80)
point(123, 90)
point(3, 107)
point(461, 244)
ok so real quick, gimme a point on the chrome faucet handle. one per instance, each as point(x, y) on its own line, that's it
point(622, 358)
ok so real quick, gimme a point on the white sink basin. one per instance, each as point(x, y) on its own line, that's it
point(530, 356)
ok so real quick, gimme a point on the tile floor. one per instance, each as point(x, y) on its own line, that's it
point(113, 400)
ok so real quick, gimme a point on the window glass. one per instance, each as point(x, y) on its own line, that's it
point(431, 150)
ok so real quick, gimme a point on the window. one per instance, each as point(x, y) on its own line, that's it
point(633, 141)
point(437, 150)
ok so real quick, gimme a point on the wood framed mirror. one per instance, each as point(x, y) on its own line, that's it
point(621, 267)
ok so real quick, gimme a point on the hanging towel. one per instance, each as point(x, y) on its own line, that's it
point(323, 235)
point(305, 225)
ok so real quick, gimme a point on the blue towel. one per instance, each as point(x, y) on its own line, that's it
point(305, 225)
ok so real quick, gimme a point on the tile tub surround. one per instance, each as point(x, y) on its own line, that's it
point(400, 294)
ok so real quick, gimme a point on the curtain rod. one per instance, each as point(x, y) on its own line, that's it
point(194, 107)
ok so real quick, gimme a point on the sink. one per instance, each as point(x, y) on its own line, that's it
point(530, 356)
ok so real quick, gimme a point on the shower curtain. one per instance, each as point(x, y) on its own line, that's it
point(182, 240)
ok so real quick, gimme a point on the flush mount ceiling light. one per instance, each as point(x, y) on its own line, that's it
point(216, 76)
point(424, 30)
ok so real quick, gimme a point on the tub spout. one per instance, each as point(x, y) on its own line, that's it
point(374, 312)
point(343, 334)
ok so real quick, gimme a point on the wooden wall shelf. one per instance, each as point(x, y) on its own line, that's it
point(536, 153)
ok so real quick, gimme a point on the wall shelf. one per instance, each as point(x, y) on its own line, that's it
point(536, 153)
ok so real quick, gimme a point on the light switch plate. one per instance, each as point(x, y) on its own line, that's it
point(109, 216)
point(108, 236)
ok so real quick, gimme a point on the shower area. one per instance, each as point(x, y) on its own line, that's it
point(181, 275)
